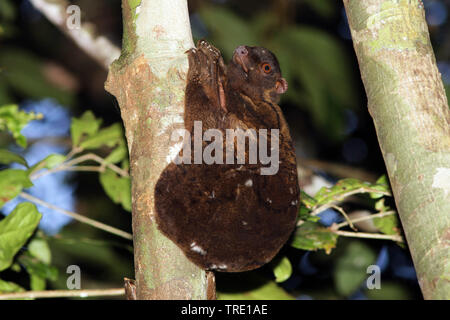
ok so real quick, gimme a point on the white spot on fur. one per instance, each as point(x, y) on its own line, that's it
point(249, 183)
point(268, 200)
point(212, 196)
point(441, 180)
point(244, 223)
point(294, 203)
point(197, 248)
point(291, 190)
point(222, 266)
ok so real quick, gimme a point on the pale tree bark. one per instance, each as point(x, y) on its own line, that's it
point(148, 81)
point(407, 102)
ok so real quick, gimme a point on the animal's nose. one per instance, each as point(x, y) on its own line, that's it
point(241, 50)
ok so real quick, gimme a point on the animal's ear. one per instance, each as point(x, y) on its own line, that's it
point(281, 86)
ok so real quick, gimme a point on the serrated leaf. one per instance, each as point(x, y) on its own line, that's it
point(12, 181)
point(14, 120)
point(15, 229)
point(117, 188)
point(110, 136)
point(9, 287)
point(388, 224)
point(48, 162)
point(351, 267)
point(7, 157)
point(343, 188)
point(282, 269)
point(312, 236)
point(39, 249)
point(86, 125)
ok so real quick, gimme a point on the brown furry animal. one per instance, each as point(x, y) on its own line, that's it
point(231, 217)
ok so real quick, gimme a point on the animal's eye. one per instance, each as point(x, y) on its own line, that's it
point(266, 67)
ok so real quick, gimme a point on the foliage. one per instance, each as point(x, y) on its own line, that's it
point(18, 227)
point(314, 63)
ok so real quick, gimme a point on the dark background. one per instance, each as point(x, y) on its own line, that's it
point(43, 70)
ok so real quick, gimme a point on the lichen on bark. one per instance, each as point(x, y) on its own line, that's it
point(148, 81)
point(407, 102)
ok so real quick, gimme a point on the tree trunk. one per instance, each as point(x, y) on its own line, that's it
point(148, 81)
point(407, 102)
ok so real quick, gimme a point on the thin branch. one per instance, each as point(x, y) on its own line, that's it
point(73, 152)
point(96, 46)
point(372, 216)
point(394, 237)
point(349, 222)
point(78, 217)
point(341, 197)
point(64, 294)
point(65, 166)
point(85, 168)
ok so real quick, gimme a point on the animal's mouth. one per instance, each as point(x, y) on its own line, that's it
point(240, 57)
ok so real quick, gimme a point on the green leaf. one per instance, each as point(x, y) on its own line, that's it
point(308, 201)
point(117, 155)
point(267, 291)
point(14, 120)
point(37, 283)
point(351, 267)
point(342, 189)
point(305, 214)
point(15, 229)
point(7, 157)
point(38, 268)
point(12, 181)
point(312, 236)
point(382, 184)
point(117, 188)
point(48, 162)
point(87, 125)
point(9, 287)
point(282, 269)
point(110, 136)
point(388, 224)
point(39, 249)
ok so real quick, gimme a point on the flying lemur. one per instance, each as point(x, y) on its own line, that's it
point(231, 217)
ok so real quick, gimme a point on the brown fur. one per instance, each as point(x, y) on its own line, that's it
point(237, 227)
